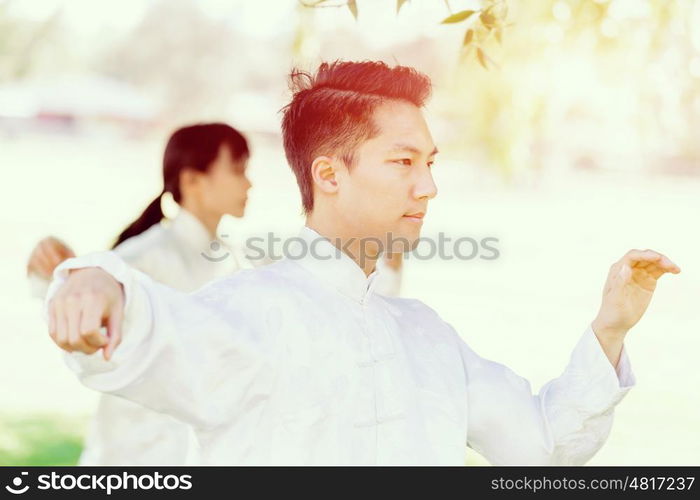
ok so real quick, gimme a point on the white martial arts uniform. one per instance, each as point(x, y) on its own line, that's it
point(173, 253)
point(301, 362)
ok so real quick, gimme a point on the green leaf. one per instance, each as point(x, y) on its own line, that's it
point(399, 4)
point(458, 17)
point(468, 37)
point(352, 5)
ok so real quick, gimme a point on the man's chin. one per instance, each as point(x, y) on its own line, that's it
point(402, 242)
point(237, 212)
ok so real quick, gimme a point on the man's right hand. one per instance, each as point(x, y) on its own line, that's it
point(89, 299)
point(48, 254)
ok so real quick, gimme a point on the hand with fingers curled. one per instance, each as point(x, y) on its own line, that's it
point(628, 290)
point(88, 300)
point(47, 255)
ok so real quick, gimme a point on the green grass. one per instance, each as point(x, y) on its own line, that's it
point(41, 439)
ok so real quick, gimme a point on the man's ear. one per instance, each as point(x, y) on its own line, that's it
point(324, 172)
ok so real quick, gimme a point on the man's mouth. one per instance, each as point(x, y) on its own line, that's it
point(415, 217)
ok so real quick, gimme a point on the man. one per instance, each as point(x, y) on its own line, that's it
point(300, 361)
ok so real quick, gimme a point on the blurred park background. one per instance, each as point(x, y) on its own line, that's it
point(568, 129)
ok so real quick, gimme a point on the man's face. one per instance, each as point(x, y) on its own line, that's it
point(225, 185)
point(385, 193)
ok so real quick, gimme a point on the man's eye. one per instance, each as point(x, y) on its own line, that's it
point(404, 161)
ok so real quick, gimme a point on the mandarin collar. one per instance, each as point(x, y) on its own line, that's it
point(318, 255)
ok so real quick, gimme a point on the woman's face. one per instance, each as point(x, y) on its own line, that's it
point(224, 187)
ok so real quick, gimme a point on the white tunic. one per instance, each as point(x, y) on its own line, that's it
point(301, 362)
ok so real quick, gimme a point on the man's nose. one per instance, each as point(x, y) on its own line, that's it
point(425, 187)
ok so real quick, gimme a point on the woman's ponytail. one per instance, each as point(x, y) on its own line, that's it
point(151, 216)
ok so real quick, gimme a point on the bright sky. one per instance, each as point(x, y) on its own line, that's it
point(377, 18)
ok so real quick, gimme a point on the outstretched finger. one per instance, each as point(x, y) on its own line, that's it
point(638, 257)
point(656, 271)
point(645, 258)
point(114, 329)
point(669, 266)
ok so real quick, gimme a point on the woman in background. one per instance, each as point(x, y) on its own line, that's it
point(204, 170)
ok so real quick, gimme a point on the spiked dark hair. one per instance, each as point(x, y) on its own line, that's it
point(331, 111)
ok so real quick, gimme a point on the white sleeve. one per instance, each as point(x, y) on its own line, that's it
point(567, 422)
point(193, 356)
